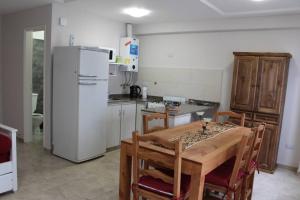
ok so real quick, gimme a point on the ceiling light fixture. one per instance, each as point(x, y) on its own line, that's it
point(136, 12)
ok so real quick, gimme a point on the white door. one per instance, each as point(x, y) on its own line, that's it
point(128, 120)
point(113, 125)
point(93, 65)
point(92, 119)
point(139, 118)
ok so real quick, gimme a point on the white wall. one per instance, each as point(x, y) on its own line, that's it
point(13, 80)
point(209, 45)
point(89, 29)
point(191, 83)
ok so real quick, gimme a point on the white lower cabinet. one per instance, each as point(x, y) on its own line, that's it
point(180, 120)
point(128, 120)
point(173, 120)
point(120, 123)
point(139, 118)
point(124, 118)
point(113, 125)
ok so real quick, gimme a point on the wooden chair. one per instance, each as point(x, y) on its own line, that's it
point(240, 118)
point(228, 177)
point(149, 117)
point(158, 184)
point(252, 163)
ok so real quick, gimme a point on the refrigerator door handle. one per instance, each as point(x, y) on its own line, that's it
point(92, 79)
point(86, 83)
point(87, 76)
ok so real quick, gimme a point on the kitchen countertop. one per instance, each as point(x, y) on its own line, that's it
point(192, 106)
point(121, 98)
point(182, 110)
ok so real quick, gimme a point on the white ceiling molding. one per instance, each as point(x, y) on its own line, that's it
point(212, 6)
point(217, 9)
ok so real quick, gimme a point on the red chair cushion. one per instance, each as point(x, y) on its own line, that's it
point(162, 188)
point(5, 148)
point(222, 174)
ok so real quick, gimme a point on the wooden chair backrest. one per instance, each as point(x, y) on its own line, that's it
point(241, 158)
point(259, 133)
point(233, 115)
point(153, 116)
point(138, 154)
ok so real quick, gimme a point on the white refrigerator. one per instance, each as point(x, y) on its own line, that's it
point(80, 91)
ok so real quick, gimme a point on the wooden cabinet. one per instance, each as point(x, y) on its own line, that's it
point(271, 84)
point(269, 147)
point(258, 89)
point(244, 82)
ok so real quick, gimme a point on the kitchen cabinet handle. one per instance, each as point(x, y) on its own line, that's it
point(87, 76)
point(83, 83)
point(123, 113)
point(120, 113)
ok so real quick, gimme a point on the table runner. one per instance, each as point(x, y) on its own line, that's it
point(191, 138)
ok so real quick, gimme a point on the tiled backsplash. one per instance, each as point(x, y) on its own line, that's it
point(203, 84)
point(114, 83)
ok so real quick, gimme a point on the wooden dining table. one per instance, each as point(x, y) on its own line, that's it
point(197, 161)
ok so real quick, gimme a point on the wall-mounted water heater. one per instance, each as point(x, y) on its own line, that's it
point(129, 52)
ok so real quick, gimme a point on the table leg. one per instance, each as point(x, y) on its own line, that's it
point(197, 186)
point(125, 174)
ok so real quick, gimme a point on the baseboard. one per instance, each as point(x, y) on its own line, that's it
point(294, 169)
point(112, 148)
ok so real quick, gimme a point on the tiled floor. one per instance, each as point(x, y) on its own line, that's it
point(46, 177)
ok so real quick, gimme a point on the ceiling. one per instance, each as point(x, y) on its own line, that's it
point(168, 10)
point(162, 10)
point(189, 10)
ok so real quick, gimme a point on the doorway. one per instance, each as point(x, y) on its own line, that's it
point(34, 87)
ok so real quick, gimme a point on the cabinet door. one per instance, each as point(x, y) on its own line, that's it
point(180, 120)
point(128, 120)
point(139, 118)
point(113, 125)
point(244, 82)
point(268, 152)
point(272, 75)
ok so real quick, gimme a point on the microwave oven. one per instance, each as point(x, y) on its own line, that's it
point(112, 54)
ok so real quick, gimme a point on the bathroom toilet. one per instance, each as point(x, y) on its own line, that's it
point(37, 119)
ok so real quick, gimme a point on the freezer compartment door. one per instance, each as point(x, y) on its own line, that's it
point(92, 118)
point(93, 65)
